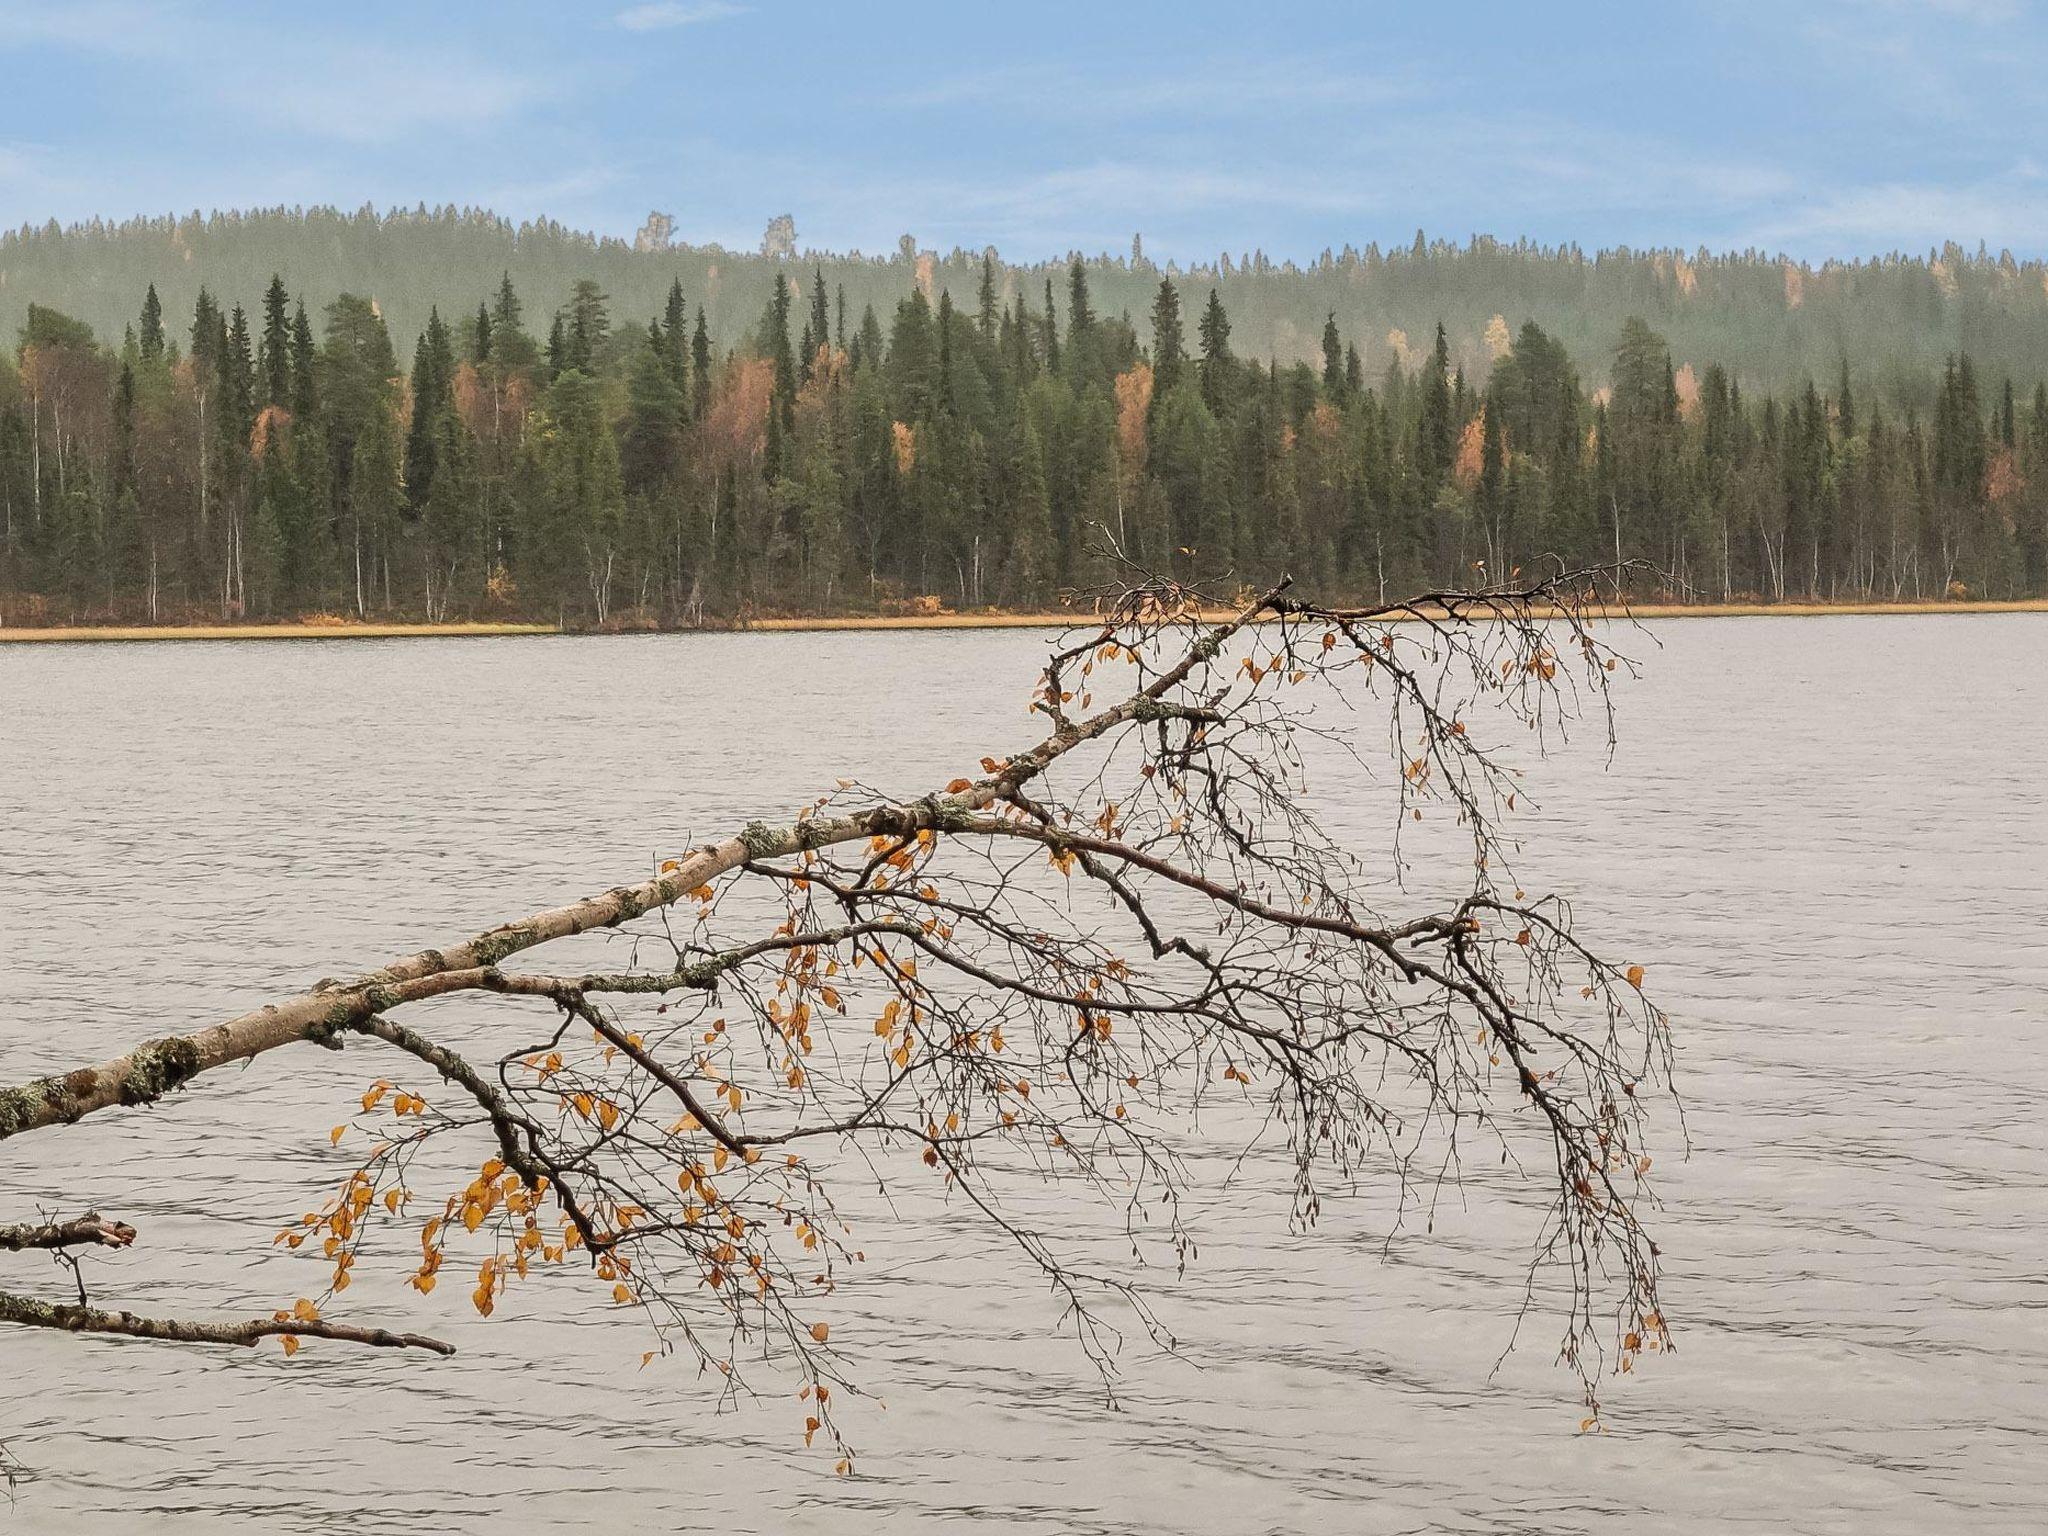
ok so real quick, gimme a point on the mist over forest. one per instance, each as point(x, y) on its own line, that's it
point(1770, 322)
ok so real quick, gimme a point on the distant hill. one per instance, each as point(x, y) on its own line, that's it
point(1773, 324)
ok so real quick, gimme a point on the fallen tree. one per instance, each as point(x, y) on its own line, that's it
point(1036, 970)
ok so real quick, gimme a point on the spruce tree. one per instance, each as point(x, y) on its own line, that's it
point(1052, 332)
point(821, 321)
point(275, 352)
point(433, 396)
point(1080, 313)
point(558, 349)
point(774, 342)
point(1169, 349)
point(304, 401)
point(675, 331)
point(152, 338)
point(1216, 359)
point(985, 317)
point(1333, 360)
point(700, 368)
point(1437, 427)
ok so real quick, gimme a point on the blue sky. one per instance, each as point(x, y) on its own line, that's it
point(1817, 127)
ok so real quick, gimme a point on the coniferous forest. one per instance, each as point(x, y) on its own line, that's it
point(864, 439)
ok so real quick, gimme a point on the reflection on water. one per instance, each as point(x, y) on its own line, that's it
point(1827, 836)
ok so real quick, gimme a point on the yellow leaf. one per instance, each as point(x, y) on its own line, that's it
point(334, 1136)
point(291, 1344)
point(622, 1293)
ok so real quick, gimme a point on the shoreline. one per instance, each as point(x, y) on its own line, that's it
point(62, 634)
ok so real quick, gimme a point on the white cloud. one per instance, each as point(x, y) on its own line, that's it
point(1235, 88)
point(663, 14)
point(1983, 12)
point(2008, 210)
point(127, 27)
point(376, 96)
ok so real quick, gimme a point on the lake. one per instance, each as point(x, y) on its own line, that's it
point(1826, 837)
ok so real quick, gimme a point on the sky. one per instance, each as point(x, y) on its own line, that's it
point(1816, 128)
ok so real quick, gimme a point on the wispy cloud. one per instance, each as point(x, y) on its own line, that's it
point(121, 27)
point(663, 14)
point(1236, 88)
point(2007, 210)
point(377, 96)
point(1983, 12)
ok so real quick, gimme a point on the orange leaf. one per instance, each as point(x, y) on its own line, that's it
point(334, 1136)
point(1635, 976)
point(821, 1331)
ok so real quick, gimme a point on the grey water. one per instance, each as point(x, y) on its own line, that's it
point(1826, 838)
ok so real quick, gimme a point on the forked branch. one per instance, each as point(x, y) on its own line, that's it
point(1036, 970)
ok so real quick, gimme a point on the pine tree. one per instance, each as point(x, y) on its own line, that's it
point(1333, 360)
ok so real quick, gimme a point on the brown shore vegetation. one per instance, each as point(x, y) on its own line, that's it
point(326, 627)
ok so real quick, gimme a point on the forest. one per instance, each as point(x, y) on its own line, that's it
point(561, 457)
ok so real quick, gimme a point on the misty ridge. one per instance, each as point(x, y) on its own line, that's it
point(1772, 322)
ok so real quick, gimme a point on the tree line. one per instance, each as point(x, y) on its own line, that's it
point(590, 467)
